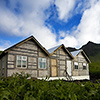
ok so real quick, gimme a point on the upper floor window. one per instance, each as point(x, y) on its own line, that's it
point(84, 66)
point(42, 62)
point(21, 61)
point(75, 65)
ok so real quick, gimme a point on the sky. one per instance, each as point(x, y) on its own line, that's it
point(52, 22)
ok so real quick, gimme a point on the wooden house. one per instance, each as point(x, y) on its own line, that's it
point(80, 65)
point(59, 58)
point(29, 56)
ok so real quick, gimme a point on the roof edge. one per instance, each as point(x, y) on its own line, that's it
point(62, 45)
point(21, 42)
point(86, 56)
point(55, 50)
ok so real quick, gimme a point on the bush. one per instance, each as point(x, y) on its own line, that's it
point(18, 87)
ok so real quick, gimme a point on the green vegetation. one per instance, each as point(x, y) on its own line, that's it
point(18, 87)
point(93, 51)
point(0, 52)
point(94, 69)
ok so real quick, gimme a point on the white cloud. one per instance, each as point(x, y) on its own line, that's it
point(4, 44)
point(89, 27)
point(61, 34)
point(31, 20)
point(65, 8)
point(68, 41)
point(87, 30)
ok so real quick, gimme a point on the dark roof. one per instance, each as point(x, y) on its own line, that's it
point(29, 38)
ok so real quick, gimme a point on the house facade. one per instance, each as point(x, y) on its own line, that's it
point(58, 57)
point(80, 65)
point(29, 56)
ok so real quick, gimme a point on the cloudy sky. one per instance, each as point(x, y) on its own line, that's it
point(52, 22)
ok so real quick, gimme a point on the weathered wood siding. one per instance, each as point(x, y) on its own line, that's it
point(0, 68)
point(3, 66)
point(32, 51)
point(80, 71)
point(61, 55)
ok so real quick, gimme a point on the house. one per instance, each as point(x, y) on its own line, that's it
point(29, 56)
point(59, 56)
point(80, 66)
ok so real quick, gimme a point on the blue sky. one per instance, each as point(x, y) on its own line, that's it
point(52, 22)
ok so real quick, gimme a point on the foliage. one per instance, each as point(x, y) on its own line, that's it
point(18, 87)
point(94, 69)
point(0, 52)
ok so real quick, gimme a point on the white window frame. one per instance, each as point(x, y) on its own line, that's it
point(21, 61)
point(75, 64)
point(42, 63)
point(84, 64)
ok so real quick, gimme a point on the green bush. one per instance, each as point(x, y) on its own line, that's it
point(94, 69)
point(1, 52)
point(18, 87)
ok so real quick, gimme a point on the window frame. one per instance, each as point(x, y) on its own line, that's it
point(42, 63)
point(76, 65)
point(21, 61)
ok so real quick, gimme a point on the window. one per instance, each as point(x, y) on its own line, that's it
point(84, 66)
point(42, 62)
point(75, 65)
point(21, 61)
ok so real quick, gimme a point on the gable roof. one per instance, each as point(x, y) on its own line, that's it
point(23, 41)
point(54, 49)
point(75, 53)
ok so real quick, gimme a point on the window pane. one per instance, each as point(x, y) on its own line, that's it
point(40, 59)
point(84, 67)
point(18, 57)
point(76, 66)
point(43, 65)
point(23, 63)
point(18, 63)
point(43, 60)
point(40, 65)
point(24, 58)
